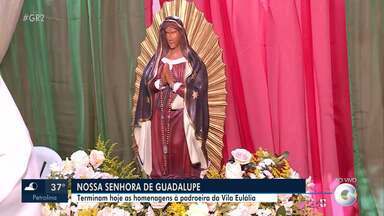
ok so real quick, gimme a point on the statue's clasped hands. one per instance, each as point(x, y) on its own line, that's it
point(166, 76)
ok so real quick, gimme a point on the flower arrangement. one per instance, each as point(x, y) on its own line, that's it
point(263, 165)
point(100, 163)
point(260, 165)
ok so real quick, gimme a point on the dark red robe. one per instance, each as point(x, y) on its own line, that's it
point(169, 131)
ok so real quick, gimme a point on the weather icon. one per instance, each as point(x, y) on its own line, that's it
point(31, 187)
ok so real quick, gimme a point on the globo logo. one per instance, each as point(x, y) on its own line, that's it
point(345, 194)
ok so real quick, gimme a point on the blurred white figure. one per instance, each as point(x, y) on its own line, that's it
point(15, 143)
point(11, 204)
point(18, 159)
point(38, 167)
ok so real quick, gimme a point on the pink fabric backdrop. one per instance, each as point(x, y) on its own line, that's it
point(288, 86)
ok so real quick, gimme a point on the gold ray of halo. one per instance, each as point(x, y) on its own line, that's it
point(205, 42)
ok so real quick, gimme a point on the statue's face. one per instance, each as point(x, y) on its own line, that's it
point(173, 37)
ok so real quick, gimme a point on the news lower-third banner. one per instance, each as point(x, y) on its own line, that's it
point(159, 190)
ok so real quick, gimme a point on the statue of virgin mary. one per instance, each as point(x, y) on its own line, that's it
point(171, 119)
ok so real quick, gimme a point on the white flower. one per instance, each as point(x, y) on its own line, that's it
point(294, 174)
point(199, 209)
point(287, 204)
point(233, 171)
point(55, 167)
point(46, 211)
point(119, 212)
point(252, 176)
point(84, 173)
point(158, 205)
point(96, 158)
point(73, 209)
point(309, 184)
point(103, 175)
point(52, 212)
point(266, 162)
point(212, 206)
point(240, 210)
point(241, 156)
point(80, 159)
point(150, 212)
point(284, 200)
point(284, 197)
point(268, 174)
point(64, 205)
point(67, 167)
point(137, 206)
point(261, 176)
point(86, 205)
point(203, 173)
point(252, 207)
point(264, 212)
point(245, 209)
point(107, 211)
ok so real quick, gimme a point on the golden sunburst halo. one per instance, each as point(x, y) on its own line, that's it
point(205, 42)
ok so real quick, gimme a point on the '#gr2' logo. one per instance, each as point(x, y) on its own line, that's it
point(345, 194)
point(33, 17)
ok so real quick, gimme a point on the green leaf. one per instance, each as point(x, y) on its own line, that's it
point(281, 211)
point(112, 164)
